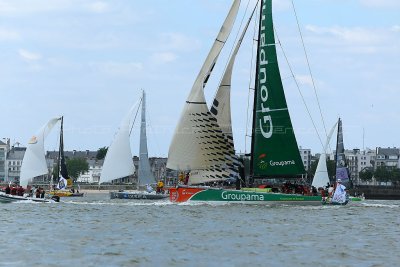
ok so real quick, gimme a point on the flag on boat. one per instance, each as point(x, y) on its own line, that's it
point(62, 183)
point(340, 194)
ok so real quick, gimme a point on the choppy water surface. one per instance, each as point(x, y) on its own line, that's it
point(97, 231)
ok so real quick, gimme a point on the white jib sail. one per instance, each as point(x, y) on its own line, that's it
point(34, 161)
point(118, 162)
point(321, 177)
point(189, 149)
point(221, 106)
point(221, 110)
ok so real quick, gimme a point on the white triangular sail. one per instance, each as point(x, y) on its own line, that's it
point(118, 162)
point(221, 110)
point(321, 177)
point(221, 106)
point(198, 139)
point(34, 161)
point(145, 176)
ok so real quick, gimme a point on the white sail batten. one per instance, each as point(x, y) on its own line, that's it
point(221, 106)
point(145, 176)
point(34, 161)
point(321, 177)
point(118, 162)
point(198, 139)
point(197, 93)
point(221, 110)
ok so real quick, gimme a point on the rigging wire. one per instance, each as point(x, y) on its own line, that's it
point(233, 48)
point(251, 92)
point(134, 119)
point(298, 87)
point(234, 43)
point(152, 132)
point(309, 68)
point(150, 126)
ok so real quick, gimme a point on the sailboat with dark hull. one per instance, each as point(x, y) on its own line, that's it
point(209, 151)
point(63, 183)
point(342, 178)
point(321, 180)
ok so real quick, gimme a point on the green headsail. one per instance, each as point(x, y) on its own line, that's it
point(274, 148)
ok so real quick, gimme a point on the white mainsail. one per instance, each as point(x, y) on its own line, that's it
point(118, 162)
point(34, 161)
point(321, 177)
point(145, 176)
point(198, 140)
point(221, 110)
point(221, 106)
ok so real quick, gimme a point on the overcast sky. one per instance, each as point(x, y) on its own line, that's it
point(88, 60)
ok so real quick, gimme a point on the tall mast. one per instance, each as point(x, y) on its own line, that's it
point(145, 175)
point(255, 90)
point(337, 145)
point(60, 149)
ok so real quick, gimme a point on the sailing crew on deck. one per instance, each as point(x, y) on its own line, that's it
point(13, 190)
point(149, 189)
point(330, 190)
point(20, 191)
point(42, 192)
point(187, 178)
point(160, 187)
point(37, 193)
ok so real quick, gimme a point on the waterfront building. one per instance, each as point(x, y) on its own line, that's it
point(95, 165)
point(357, 160)
point(3, 158)
point(93, 174)
point(305, 154)
point(14, 163)
point(87, 154)
point(388, 157)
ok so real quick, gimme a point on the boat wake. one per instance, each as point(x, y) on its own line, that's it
point(380, 205)
point(130, 203)
point(31, 202)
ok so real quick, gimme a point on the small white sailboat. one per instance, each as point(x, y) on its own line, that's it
point(321, 178)
point(339, 195)
point(118, 161)
point(33, 165)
